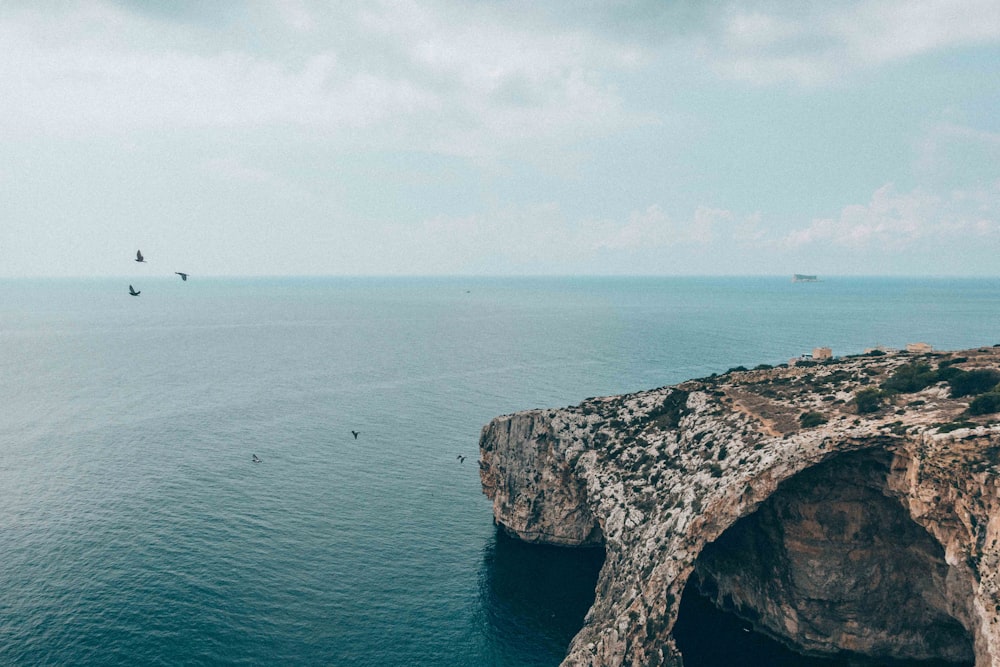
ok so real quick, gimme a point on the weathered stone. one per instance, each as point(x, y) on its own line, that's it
point(875, 534)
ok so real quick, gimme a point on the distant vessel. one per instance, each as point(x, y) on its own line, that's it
point(803, 278)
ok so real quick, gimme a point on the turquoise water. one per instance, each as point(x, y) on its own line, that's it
point(135, 529)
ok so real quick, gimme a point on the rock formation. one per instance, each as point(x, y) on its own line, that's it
point(872, 534)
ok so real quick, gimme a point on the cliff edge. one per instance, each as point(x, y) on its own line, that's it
point(849, 506)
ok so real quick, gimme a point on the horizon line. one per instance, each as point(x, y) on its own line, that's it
point(492, 276)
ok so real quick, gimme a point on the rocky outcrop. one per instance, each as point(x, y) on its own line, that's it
point(872, 534)
point(533, 487)
point(833, 564)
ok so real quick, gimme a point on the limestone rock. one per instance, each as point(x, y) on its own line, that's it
point(873, 534)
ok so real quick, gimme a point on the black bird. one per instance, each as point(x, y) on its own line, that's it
point(461, 459)
point(256, 459)
point(355, 434)
point(183, 276)
point(131, 290)
point(138, 256)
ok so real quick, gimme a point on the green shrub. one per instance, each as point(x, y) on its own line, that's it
point(868, 400)
point(910, 378)
point(948, 372)
point(955, 425)
point(969, 383)
point(811, 419)
point(668, 414)
point(985, 404)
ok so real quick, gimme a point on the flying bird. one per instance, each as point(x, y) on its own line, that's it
point(183, 276)
point(355, 434)
point(131, 290)
point(138, 256)
point(256, 459)
point(461, 459)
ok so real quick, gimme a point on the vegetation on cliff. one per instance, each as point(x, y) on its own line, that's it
point(659, 474)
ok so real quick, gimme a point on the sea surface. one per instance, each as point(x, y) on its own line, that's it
point(134, 528)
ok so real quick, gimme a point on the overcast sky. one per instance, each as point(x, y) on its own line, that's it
point(494, 138)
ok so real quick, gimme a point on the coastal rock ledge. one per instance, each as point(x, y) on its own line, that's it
point(870, 535)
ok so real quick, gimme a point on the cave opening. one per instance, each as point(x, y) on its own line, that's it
point(829, 571)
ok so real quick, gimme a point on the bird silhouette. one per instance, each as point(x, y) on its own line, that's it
point(183, 276)
point(355, 434)
point(461, 459)
point(131, 290)
point(256, 459)
point(138, 256)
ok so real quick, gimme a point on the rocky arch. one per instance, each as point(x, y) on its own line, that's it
point(832, 562)
point(929, 520)
point(657, 476)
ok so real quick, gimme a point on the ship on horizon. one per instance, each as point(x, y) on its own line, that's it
point(803, 278)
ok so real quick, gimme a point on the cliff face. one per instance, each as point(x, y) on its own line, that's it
point(832, 563)
point(532, 485)
point(875, 534)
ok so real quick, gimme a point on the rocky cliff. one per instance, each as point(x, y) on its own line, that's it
point(874, 534)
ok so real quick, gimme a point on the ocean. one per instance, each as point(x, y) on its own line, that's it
point(135, 529)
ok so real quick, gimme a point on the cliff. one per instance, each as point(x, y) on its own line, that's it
point(833, 531)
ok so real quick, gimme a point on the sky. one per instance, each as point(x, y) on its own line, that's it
point(500, 138)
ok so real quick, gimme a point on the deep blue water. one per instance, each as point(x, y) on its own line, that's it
point(134, 528)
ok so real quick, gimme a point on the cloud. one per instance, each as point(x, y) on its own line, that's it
point(235, 172)
point(885, 31)
point(949, 147)
point(650, 227)
point(504, 80)
point(892, 226)
point(79, 87)
point(815, 43)
point(892, 220)
point(543, 238)
point(296, 15)
point(453, 79)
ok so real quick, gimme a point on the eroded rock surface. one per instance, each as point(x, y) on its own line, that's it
point(875, 534)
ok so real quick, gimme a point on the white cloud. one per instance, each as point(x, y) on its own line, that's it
point(703, 225)
point(884, 31)
point(894, 220)
point(82, 88)
point(504, 82)
point(545, 239)
point(748, 230)
point(233, 171)
point(812, 44)
point(948, 146)
point(890, 226)
point(296, 15)
point(452, 79)
point(650, 227)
